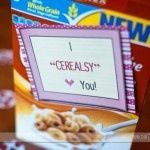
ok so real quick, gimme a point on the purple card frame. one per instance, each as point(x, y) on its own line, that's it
point(123, 65)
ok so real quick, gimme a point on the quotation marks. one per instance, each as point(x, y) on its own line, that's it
point(52, 63)
point(97, 65)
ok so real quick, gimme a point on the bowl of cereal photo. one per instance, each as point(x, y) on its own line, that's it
point(67, 129)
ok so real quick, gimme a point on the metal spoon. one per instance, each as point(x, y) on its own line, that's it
point(119, 125)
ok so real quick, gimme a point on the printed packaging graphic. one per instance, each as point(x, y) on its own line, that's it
point(77, 73)
point(74, 13)
point(62, 67)
point(125, 13)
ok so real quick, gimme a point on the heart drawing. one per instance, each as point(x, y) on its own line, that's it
point(69, 82)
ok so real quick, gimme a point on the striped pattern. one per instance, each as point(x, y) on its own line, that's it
point(25, 62)
point(126, 55)
point(128, 70)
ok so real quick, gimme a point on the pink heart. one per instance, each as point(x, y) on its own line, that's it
point(69, 82)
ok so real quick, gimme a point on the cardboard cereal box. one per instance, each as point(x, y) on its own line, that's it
point(73, 75)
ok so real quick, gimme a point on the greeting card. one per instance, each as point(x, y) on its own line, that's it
point(87, 66)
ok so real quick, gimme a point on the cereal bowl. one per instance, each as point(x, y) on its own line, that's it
point(75, 130)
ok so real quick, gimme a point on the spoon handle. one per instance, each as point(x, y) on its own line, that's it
point(120, 125)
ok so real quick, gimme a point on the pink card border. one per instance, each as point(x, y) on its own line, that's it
point(126, 56)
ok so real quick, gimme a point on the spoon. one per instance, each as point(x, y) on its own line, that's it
point(119, 125)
